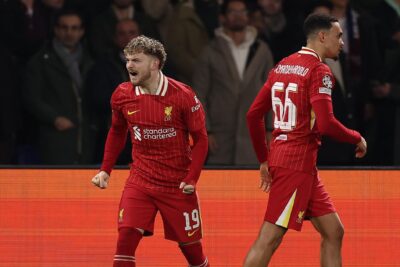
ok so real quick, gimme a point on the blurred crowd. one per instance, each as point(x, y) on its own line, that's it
point(60, 61)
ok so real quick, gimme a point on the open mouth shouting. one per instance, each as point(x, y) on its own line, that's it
point(134, 76)
point(133, 73)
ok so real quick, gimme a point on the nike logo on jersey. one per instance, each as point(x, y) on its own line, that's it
point(133, 112)
point(193, 232)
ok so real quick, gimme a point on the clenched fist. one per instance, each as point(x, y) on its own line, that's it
point(101, 179)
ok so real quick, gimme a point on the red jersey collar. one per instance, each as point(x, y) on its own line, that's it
point(308, 51)
point(161, 89)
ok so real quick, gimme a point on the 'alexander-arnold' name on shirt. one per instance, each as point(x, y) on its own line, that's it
point(291, 69)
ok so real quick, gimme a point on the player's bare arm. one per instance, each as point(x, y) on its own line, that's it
point(101, 180)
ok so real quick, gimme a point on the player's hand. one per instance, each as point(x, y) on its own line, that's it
point(361, 148)
point(186, 188)
point(101, 179)
point(265, 177)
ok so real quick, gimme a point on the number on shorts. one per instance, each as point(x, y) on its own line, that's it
point(195, 218)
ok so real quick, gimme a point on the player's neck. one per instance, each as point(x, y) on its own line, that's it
point(150, 85)
point(317, 50)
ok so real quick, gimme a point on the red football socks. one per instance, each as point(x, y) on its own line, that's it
point(128, 240)
point(193, 253)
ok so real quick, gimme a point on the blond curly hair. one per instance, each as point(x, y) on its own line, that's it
point(148, 46)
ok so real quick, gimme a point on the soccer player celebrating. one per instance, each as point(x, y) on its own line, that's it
point(159, 113)
point(298, 90)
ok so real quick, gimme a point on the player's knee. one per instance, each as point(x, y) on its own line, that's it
point(339, 233)
point(270, 242)
point(270, 237)
point(335, 234)
point(193, 253)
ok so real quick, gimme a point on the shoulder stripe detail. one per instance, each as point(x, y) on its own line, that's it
point(309, 51)
point(160, 83)
point(165, 86)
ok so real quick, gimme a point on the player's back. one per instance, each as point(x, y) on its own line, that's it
point(295, 136)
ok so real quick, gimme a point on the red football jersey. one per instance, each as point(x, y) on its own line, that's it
point(291, 88)
point(159, 127)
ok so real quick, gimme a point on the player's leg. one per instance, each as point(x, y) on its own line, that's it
point(268, 240)
point(128, 240)
point(287, 203)
point(331, 229)
point(193, 252)
point(326, 221)
point(135, 220)
point(182, 223)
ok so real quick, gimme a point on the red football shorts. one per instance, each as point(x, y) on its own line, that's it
point(295, 196)
point(180, 213)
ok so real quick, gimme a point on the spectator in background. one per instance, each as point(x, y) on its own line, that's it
point(208, 12)
point(386, 112)
point(358, 64)
point(228, 76)
point(388, 15)
point(103, 78)
point(55, 4)
point(55, 84)
point(332, 152)
point(281, 32)
point(26, 24)
point(9, 107)
point(186, 38)
point(88, 8)
point(385, 92)
point(323, 7)
point(160, 11)
point(103, 26)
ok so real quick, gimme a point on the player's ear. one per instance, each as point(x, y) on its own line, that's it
point(155, 64)
point(322, 36)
